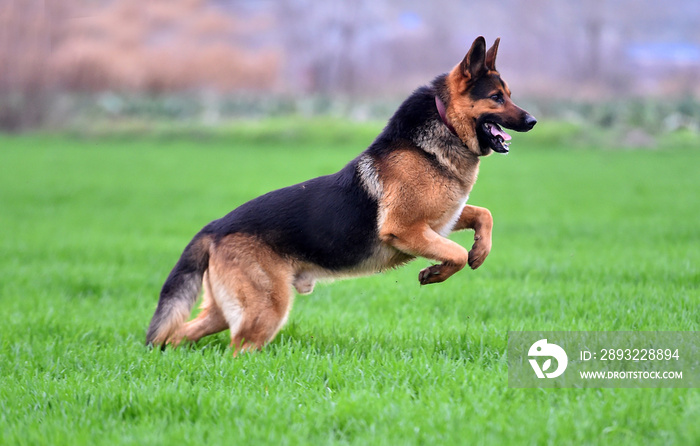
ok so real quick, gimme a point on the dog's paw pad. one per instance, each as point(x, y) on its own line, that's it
point(476, 259)
point(429, 274)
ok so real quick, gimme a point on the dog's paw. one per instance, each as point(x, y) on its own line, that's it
point(478, 254)
point(431, 274)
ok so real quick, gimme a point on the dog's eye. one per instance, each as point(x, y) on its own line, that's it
point(497, 98)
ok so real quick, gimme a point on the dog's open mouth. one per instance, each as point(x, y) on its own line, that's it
point(495, 137)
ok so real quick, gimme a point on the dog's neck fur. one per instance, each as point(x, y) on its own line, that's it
point(438, 137)
point(442, 111)
point(417, 121)
point(437, 140)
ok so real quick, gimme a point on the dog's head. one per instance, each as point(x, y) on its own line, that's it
point(480, 104)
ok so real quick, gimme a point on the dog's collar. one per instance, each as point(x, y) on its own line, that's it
point(443, 116)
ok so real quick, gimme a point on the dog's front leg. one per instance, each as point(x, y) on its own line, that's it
point(421, 240)
point(480, 220)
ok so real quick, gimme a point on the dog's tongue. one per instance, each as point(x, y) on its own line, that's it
point(497, 131)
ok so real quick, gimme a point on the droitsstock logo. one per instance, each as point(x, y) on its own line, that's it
point(542, 349)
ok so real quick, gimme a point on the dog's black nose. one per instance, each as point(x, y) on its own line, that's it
point(530, 121)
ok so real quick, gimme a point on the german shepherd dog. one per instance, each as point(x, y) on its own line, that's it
point(396, 201)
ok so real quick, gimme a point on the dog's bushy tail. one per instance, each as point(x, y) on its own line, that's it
point(180, 291)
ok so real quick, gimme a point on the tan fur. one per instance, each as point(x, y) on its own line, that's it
point(491, 54)
point(462, 111)
point(418, 203)
point(172, 325)
point(247, 289)
point(421, 188)
point(258, 279)
point(210, 319)
point(480, 220)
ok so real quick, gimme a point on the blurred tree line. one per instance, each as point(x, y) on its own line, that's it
point(52, 49)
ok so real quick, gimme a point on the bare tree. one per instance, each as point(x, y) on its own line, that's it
point(27, 33)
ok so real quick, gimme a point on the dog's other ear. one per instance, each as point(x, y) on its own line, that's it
point(491, 55)
point(473, 64)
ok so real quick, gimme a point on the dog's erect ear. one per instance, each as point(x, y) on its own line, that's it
point(491, 55)
point(473, 64)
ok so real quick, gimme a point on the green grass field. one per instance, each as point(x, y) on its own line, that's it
point(585, 238)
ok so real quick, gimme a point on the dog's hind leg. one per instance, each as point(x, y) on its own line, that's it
point(252, 285)
point(263, 318)
point(209, 321)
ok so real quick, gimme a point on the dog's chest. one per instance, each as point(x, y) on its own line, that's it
point(451, 217)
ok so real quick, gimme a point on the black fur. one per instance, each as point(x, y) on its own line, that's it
point(485, 86)
point(330, 221)
point(183, 282)
point(411, 117)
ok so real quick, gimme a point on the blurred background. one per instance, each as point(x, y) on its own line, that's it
point(610, 62)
